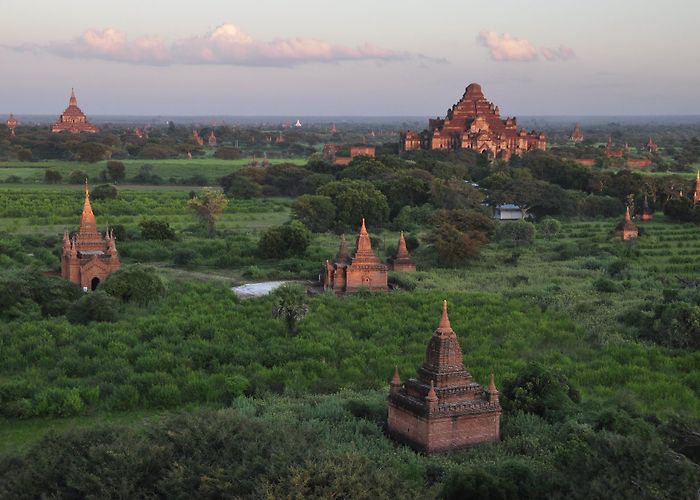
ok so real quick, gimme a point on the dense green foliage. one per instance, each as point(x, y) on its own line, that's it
point(137, 284)
point(287, 240)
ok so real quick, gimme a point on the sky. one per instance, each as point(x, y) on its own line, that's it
point(361, 58)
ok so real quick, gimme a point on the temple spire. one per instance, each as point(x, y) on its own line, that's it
point(396, 380)
point(402, 251)
point(88, 224)
point(73, 101)
point(444, 326)
point(628, 218)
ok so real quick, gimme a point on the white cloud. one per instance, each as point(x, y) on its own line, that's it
point(225, 45)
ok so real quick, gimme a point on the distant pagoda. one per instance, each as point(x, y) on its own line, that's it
point(73, 120)
point(11, 124)
point(475, 123)
point(647, 214)
point(577, 134)
point(402, 261)
point(627, 230)
point(651, 146)
point(443, 408)
point(696, 193)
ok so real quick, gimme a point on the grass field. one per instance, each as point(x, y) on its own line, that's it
point(211, 168)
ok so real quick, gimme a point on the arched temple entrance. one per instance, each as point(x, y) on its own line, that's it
point(94, 283)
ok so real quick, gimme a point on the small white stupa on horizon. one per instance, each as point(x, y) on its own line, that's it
point(298, 123)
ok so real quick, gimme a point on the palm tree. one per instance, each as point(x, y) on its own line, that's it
point(291, 306)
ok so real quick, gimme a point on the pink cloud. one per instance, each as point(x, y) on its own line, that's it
point(225, 45)
point(560, 54)
point(504, 47)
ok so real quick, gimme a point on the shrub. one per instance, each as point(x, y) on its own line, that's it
point(137, 284)
point(549, 228)
point(516, 232)
point(116, 170)
point(77, 177)
point(283, 241)
point(152, 229)
point(104, 192)
point(52, 176)
point(454, 247)
point(94, 306)
point(184, 257)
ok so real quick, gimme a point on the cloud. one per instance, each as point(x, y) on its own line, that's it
point(560, 54)
point(225, 45)
point(506, 47)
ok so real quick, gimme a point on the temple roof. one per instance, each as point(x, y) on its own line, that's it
point(627, 224)
point(363, 248)
point(88, 224)
point(343, 255)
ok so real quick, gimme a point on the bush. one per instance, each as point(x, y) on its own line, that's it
point(283, 241)
point(116, 170)
point(549, 228)
point(137, 284)
point(454, 247)
point(540, 390)
point(52, 176)
point(184, 257)
point(152, 229)
point(104, 192)
point(93, 306)
point(77, 177)
point(516, 232)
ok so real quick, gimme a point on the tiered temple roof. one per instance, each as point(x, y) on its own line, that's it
point(475, 123)
point(577, 134)
point(443, 408)
point(73, 120)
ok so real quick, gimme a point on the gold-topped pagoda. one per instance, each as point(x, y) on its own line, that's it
point(73, 120)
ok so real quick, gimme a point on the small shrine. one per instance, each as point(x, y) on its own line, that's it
point(88, 258)
point(73, 119)
point(647, 214)
point(627, 230)
point(212, 139)
point(651, 146)
point(443, 408)
point(402, 261)
point(363, 270)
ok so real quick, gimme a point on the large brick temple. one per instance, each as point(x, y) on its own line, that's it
point(475, 123)
point(363, 270)
point(443, 408)
point(73, 119)
point(88, 258)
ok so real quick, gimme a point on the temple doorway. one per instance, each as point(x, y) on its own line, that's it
point(94, 283)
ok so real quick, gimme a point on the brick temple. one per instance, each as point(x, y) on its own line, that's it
point(402, 261)
point(73, 119)
point(363, 270)
point(88, 258)
point(11, 124)
point(577, 135)
point(696, 193)
point(443, 408)
point(475, 123)
point(627, 230)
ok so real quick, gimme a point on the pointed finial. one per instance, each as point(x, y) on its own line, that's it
point(363, 229)
point(492, 384)
point(445, 320)
point(431, 393)
point(396, 380)
point(86, 186)
point(627, 214)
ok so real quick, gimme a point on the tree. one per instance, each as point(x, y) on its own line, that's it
point(455, 193)
point(315, 211)
point(92, 152)
point(93, 306)
point(52, 176)
point(104, 192)
point(227, 153)
point(354, 200)
point(516, 232)
point(208, 205)
point(549, 228)
point(152, 229)
point(286, 240)
point(116, 170)
point(77, 177)
point(454, 247)
point(540, 390)
point(137, 284)
point(290, 306)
